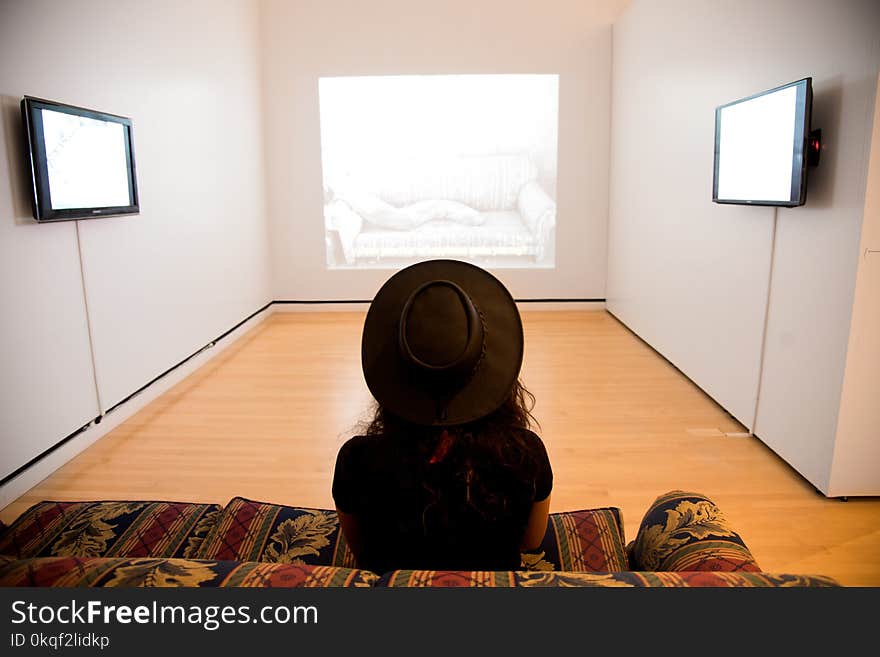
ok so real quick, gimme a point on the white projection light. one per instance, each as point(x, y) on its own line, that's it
point(439, 166)
point(86, 161)
point(756, 139)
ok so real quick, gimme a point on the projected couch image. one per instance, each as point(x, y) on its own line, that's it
point(488, 209)
point(439, 166)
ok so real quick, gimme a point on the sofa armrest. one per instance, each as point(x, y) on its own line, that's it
point(347, 223)
point(538, 212)
point(684, 531)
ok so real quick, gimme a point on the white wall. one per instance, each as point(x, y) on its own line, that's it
point(817, 250)
point(688, 276)
point(163, 283)
point(47, 388)
point(304, 41)
point(691, 277)
point(854, 470)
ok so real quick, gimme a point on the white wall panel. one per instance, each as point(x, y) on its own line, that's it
point(817, 246)
point(47, 390)
point(691, 277)
point(855, 469)
point(688, 276)
point(195, 261)
point(305, 41)
point(161, 284)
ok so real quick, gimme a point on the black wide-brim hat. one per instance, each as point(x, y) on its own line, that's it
point(442, 343)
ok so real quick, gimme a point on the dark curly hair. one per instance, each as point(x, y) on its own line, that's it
point(514, 413)
point(485, 477)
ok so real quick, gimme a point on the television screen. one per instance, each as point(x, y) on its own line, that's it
point(81, 161)
point(761, 147)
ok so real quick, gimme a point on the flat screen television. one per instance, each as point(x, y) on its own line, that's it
point(81, 161)
point(763, 145)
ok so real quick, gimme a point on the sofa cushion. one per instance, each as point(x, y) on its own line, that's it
point(585, 540)
point(483, 182)
point(501, 234)
point(506, 579)
point(379, 213)
point(109, 529)
point(248, 530)
point(437, 209)
point(127, 572)
point(684, 531)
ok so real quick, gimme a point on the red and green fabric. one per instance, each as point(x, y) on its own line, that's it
point(448, 579)
point(247, 530)
point(128, 573)
point(684, 531)
point(586, 540)
point(559, 579)
point(109, 529)
point(681, 531)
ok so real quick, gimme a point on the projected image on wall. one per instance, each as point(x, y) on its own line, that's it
point(440, 166)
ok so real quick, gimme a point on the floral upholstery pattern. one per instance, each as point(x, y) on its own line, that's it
point(124, 572)
point(684, 531)
point(683, 541)
point(259, 531)
point(109, 529)
point(586, 540)
point(504, 579)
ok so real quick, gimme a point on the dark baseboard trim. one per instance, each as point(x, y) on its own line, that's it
point(330, 301)
point(187, 359)
point(677, 369)
point(40, 457)
point(560, 300)
point(98, 419)
point(317, 302)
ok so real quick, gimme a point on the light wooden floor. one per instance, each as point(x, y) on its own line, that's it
point(265, 418)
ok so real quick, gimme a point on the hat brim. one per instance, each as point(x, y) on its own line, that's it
point(392, 381)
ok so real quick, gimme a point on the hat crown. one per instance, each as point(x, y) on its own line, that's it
point(440, 330)
point(442, 343)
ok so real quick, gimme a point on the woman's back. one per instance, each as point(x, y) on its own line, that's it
point(465, 511)
point(448, 474)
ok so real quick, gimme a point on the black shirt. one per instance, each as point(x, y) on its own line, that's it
point(468, 512)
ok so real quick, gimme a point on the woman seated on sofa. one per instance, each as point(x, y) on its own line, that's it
point(447, 475)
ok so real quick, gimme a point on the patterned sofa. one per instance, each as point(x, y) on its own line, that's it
point(489, 208)
point(682, 541)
